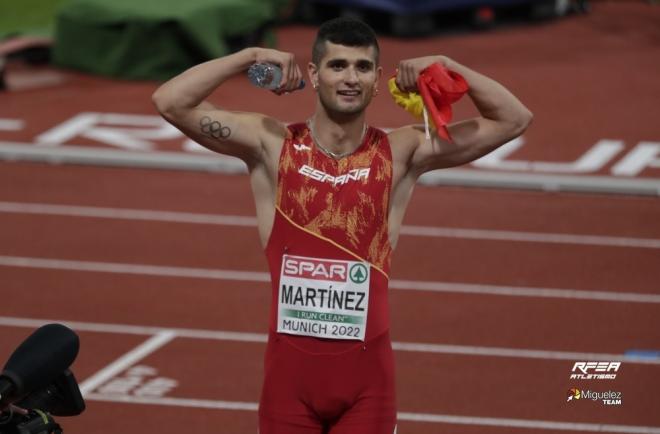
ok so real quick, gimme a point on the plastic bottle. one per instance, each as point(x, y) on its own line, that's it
point(267, 76)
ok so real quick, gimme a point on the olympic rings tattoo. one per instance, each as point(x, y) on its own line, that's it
point(214, 128)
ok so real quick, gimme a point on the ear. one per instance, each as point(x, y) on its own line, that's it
point(313, 74)
point(379, 75)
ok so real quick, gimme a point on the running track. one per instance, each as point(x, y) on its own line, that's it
point(495, 294)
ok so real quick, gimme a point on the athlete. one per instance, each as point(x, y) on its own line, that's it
point(330, 197)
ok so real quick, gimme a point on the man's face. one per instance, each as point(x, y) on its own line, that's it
point(347, 78)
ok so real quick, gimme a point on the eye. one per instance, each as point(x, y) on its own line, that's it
point(364, 66)
point(337, 65)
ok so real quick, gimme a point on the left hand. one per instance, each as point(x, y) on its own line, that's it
point(408, 70)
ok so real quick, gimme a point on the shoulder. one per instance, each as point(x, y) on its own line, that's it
point(290, 134)
point(404, 141)
point(275, 134)
point(405, 136)
point(264, 124)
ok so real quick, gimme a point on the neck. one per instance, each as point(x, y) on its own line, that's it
point(340, 135)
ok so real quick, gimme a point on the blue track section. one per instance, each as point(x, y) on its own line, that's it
point(644, 354)
point(421, 6)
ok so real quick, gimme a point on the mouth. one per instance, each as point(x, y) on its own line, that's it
point(349, 93)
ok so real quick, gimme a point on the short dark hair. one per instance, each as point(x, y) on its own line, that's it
point(346, 31)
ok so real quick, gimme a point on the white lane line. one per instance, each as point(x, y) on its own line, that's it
point(138, 330)
point(127, 360)
point(409, 230)
point(149, 270)
point(527, 423)
point(11, 124)
point(126, 214)
point(531, 237)
point(401, 416)
point(255, 276)
point(466, 350)
point(521, 291)
point(176, 402)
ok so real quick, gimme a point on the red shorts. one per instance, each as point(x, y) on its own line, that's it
point(313, 392)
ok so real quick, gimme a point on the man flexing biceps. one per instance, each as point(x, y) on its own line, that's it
point(330, 197)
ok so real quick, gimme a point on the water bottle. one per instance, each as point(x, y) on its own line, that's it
point(267, 76)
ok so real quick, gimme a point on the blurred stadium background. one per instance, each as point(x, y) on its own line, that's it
point(112, 222)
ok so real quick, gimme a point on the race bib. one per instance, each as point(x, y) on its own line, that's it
point(323, 298)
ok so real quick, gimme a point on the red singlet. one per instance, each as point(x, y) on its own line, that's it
point(329, 366)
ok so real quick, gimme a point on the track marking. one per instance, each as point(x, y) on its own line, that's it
point(150, 270)
point(410, 230)
point(255, 276)
point(177, 402)
point(527, 423)
point(466, 350)
point(401, 416)
point(126, 214)
point(517, 353)
point(11, 124)
point(127, 360)
point(531, 237)
point(521, 291)
point(21, 151)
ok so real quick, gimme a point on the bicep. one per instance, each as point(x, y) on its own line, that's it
point(471, 139)
point(232, 133)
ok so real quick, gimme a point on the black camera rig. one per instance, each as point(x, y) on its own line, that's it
point(36, 383)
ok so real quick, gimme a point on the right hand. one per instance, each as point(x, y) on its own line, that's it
point(291, 73)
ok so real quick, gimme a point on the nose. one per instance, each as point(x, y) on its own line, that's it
point(351, 76)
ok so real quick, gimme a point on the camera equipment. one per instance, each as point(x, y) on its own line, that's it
point(36, 383)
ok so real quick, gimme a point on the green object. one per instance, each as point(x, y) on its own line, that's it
point(28, 17)
point(152, 39)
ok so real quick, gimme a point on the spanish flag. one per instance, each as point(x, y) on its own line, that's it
point(438, 88)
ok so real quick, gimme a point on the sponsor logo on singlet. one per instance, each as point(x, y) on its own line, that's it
point(301, 147)
point(319, 175)
point(324, 298)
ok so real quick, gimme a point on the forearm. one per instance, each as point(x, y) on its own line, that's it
point(503, 117)
point(190, 88)
point(493, 100)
